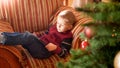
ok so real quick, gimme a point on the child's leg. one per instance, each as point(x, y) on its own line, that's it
point(37, 50)
point(16, 38)
point(28, 41)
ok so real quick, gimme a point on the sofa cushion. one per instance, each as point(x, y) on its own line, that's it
point(28, 15)
point(5, 26)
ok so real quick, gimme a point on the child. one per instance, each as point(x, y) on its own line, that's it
point(57, 40)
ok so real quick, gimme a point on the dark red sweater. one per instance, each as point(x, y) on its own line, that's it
point(55, 37)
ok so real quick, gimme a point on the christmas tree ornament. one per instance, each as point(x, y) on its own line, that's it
point(113, 35)
point(84, 44)
point(89, 32)
point(117, 60)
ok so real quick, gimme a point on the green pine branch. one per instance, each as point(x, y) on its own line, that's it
point(106, 41)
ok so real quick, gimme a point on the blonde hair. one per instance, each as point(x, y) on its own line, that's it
point(68, 16)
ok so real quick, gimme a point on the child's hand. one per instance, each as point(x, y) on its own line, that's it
point(51, 46)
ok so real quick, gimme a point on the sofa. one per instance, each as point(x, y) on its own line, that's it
point(34, 16)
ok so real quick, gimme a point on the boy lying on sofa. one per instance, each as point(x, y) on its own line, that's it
point(57, 40)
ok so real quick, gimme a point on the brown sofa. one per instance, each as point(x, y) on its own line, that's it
point(34, 16)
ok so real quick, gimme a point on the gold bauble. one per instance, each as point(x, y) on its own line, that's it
point(117, 60)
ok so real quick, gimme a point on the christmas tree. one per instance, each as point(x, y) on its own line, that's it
point(104, 39)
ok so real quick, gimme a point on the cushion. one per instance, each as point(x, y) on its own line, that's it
point(5, 26)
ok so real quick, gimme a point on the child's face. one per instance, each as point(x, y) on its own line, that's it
point(63, 25)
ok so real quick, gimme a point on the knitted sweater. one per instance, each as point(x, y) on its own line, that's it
point(55, 37)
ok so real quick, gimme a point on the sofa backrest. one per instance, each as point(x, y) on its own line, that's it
point(28, 15)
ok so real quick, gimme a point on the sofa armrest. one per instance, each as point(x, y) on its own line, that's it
point(5, 26)
point(10, 56)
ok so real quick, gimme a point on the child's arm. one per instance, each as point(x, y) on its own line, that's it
point(61, 50)
point(56, 49)
point(66, 45)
